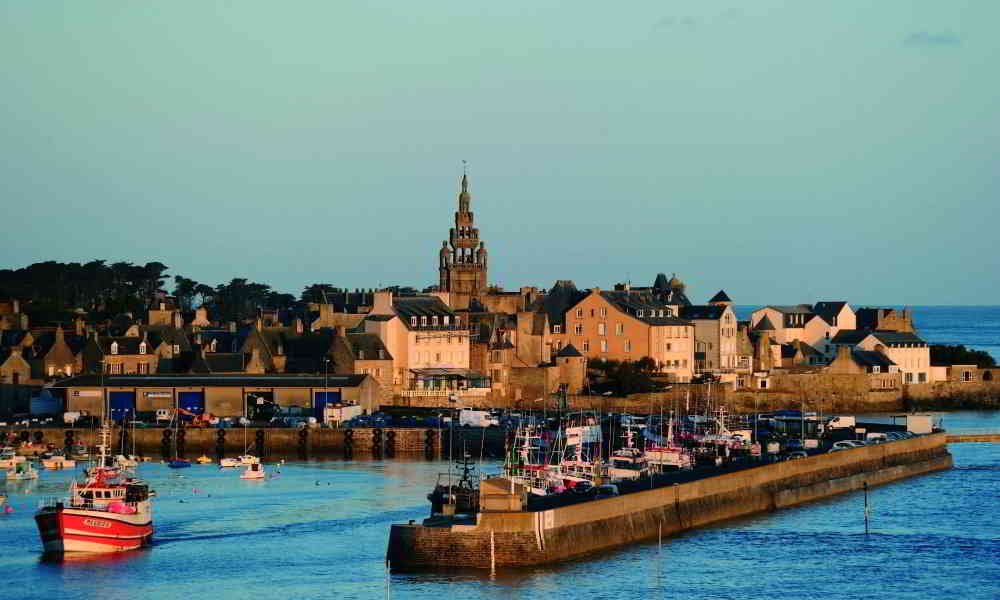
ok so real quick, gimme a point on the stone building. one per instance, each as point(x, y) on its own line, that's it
point(622, 325)
point(462, 260)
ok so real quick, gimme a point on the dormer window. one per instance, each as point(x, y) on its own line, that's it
point(423, 321)
point(413, 321)
point(434, 321)
point(361, 354)
point(142, 348)
point(638, 313)
point(381, 354)
point(114, 347)
point(177, 349)
point(579, 313)
point(446, 319)
point(213, 345)
point(458, 321)
point(557, 329)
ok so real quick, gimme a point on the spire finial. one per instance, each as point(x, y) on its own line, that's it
point(465, 176)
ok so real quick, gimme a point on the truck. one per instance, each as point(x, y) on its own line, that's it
point(840, 422)
point(468, 417)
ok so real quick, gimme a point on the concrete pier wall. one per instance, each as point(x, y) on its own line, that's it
point(532, 538)
point(282, 441)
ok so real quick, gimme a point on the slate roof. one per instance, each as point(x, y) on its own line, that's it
point(703, 312)
point(764, 325)
point(160, 334)
point(898, 338)
point(424, 306)
point(12, 337)
point(558, 300)
point(870, 358)
point(126, 344)
point(219, 362)
point(789, 350)
point(793, 309)
point(370, 344)
point(44, 340)
point(850, 336)
point(829, 310)
point(632, 304)
point(721, 296)
point(147, 381)
point(569, 350)
point(380, 317)
point(225, 340)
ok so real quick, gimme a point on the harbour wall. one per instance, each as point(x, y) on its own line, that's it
point(512, 539)
point(192, 442)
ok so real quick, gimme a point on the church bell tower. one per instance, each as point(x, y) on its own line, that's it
point(462, 257)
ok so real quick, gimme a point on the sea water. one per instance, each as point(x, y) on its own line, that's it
point(319, 530)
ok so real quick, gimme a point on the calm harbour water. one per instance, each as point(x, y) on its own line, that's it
point(319, 530)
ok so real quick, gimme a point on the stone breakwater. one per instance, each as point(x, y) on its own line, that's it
point(519, 538)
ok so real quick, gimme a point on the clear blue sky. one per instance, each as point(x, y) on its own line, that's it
point(787, 151)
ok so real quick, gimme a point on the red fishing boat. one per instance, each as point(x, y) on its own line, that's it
point(109, 511)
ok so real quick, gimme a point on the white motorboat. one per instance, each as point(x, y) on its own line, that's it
point(58, 461)
point(254, 471)
point(22, 472)
point(9, 458)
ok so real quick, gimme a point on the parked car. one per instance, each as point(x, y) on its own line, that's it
point(607, 490)
point(797, 454)
point(843, 445)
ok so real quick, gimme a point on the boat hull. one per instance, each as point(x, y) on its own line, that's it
point(65, 530)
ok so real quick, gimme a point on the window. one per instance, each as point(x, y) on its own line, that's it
point(177, 349)
point(434, 321)
point(142, 348)
point(52, 370)
point(579, 313)
point(143, 368)
point(909, 378)
point(557, 329)
point(586, 345)
point(361, 354)
point(763, 384)
point(446, 319)
point(604, 313)
point(669, 346)
point(619, 329)
point(437, 357)
point(684, 363)
point(579, 329)
point(423, 321)
point(922, 377)
point(638, 313)
point(628, 345)
point(876, 369)
point(114, 347)
point(115, 369)
point(966, 376)
point(604, 345)
point(602, 329)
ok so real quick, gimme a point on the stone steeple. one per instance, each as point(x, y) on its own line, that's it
point(463, 257)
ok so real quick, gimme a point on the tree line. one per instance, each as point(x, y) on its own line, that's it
point(52, 291)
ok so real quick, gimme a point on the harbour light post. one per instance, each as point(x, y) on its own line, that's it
point(326, 388)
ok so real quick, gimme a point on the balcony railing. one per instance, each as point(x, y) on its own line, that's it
point(469, 392)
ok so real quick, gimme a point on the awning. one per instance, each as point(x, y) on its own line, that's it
point(464, 373)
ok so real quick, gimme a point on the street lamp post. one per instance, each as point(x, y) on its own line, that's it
point(326, 386)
